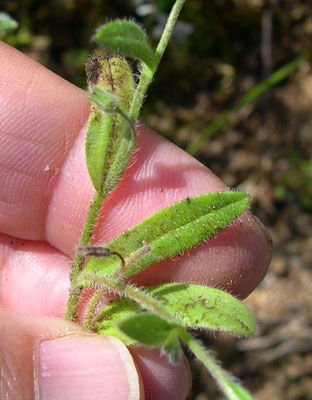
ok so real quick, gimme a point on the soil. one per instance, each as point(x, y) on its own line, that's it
point(277, 362)
point(263, 150)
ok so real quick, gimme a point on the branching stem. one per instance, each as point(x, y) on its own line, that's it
point(136, 104)
point(232, 392)
point(146, 73)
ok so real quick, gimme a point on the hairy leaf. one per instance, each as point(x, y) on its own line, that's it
point(127, 38)
point(146, 328)
point(104, 101)
point(172, 230)
point(195, 306)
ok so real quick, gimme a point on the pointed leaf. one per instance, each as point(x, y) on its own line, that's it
point(127, 38)
point(172, 230)
point(195, 306)
point(146, 328)
point(7, 23)
point(205, 307)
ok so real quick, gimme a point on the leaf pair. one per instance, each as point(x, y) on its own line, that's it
point(193, 306)
point(168, 232)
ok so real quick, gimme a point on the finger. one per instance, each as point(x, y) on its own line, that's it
point(68, 362)
point(162, 380)
point(51, 358)
point(161, 175)
point(34, 277)
point(40, 116)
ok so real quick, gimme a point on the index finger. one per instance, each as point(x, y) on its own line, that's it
point(46, 190)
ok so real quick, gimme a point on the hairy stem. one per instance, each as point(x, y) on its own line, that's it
point(232, 390)
point(87, 279)
point(165, 37)
point(146, 73)
point(88, 320)
point(79, 259)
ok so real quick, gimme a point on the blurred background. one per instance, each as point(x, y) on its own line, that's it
point(235, 90)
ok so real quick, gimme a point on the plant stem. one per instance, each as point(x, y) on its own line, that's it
point(87, 279)
point(146, 73)
point(165, 37)
point(79, 259)
point(139, 94)
point(136, 104)
point(88, 321)
point(232, 390)
point(87, 230)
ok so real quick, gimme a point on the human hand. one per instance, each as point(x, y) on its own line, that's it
point(45, 193)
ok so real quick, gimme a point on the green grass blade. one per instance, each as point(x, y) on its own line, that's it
point(248, 97)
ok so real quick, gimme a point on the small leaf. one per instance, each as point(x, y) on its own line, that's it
point(195, 306)
point(7, 23)
point(127, 38)
point(173, 230)
point(172, 346)
point(113, 314)
point(106, 102)
point(148, 329)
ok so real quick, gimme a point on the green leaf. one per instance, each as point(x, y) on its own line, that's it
point(251, 95)
point(7, 23)
point(127, 38)
point(205, 307)
point(172, 346)
point(172, 230)
point(148, 329)
point(114, 313)
point(106, 102)
point(195, 306)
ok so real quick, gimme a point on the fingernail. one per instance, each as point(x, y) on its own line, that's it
point(84, 368)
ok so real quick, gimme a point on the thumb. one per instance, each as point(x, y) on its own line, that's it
point(49, 358)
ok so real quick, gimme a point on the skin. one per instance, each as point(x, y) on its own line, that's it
point(45, 192)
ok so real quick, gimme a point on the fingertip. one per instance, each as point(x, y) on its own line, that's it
point(50, 358)
point(162, 379)
point(40, 117)
point(90, 367)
